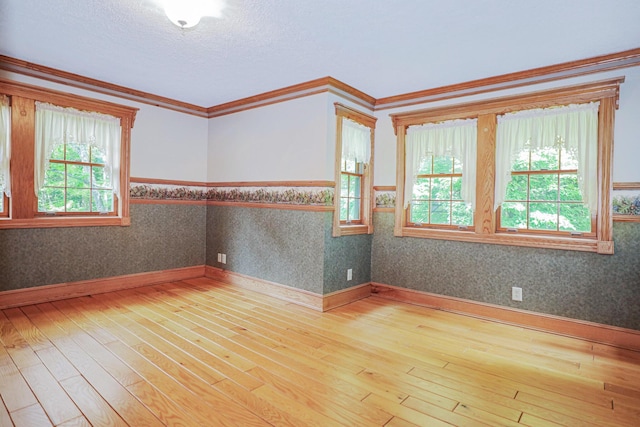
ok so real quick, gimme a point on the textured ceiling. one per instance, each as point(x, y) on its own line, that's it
point(381, 47)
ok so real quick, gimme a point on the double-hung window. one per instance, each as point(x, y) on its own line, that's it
point(543, 162)
point(440, 170)
point(354, 176)
point(69, 159)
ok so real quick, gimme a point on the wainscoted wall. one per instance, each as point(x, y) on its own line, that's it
point(289, 247)
point(587, 286)
point(160, 237)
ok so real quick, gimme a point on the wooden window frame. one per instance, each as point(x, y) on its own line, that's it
point(485, 218)
point(23, 212)
point(365, 226)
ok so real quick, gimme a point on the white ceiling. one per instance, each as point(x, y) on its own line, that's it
point(381, 47)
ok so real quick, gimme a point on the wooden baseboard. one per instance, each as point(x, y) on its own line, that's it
point(276, 290)
point(345, 296)
point(40, 294)
point(596, 332)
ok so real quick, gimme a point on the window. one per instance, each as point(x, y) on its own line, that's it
point(440, 169)
point(354, 176)
point(544, 171)
point(69, 160)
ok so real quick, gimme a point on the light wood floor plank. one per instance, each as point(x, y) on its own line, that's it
point(200, 352)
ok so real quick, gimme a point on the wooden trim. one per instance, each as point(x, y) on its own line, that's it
point(167, 202)
point(575, 94)
point(272, 184)
point(345, 296)
point(384, 188)
point(400, 211)
point(390, 210)
point(313, 87)
point(276, 290)
point(606, 125)
point(484, 218)
point(626, 218)
point(283, 206)
point(355, 115)
point(62, 221)
point(99, 86)
point(626, 185)
point(159, 181)
point(598, 64)
point(47, 293)
point(605, 334)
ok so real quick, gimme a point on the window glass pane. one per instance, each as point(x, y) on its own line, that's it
point(440, 213)
point(545, 159)
point(422, 188)
point(54, 176)
point(344, 185)
point(425, 166)
point(461, 214)
point(513, 215)
point(543, 187)
point(456, 188)
point(51, 200)
point(78, 200)
point(569, 160)
point(543, 216)
point(100, 177)
point(78, 176)
point(441, 189)
point(349, 166)
point(522, 162)
point(575, 217)
point(420, 212)
point(344, 209)
point(58, 152)
point(98, 156)
point(354, 186)
point(102, 201)
point(354, 209)
point(77, 152)
point(517, 188)
point(457, 166)
point(442, 164)
point(569, 190)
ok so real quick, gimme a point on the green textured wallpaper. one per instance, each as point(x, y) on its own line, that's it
point(587, 286)
point(290, 247)
point(160, 237)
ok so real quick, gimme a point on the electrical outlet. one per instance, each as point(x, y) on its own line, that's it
point(516, 293)
point(219, 257)
point(350, 274)
point(224, 258)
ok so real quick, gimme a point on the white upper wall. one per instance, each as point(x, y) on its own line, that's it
point(165, 144)
point(286, 141)
point(627, 128)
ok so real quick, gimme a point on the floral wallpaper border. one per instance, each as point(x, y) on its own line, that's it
point(311, 196)
point(385, 199)
point(626, 202)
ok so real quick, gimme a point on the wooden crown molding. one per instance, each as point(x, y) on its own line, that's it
point(565, 70)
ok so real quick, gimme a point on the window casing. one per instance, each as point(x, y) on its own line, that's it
point(487, 226)
point(76, 177)
point(353, 195)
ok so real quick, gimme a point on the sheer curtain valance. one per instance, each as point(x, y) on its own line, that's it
point(5, 146)
point(57, 125)
point(574, 128)
point(356, 142)
point(455, 138)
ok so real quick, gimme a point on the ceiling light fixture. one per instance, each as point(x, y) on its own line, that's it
point(187, 13)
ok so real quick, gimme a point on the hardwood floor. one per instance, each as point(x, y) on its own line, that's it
point(201, 353)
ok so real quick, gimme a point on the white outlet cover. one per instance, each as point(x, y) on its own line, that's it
point(516, 293)
point(349, 274)
point(224, 258)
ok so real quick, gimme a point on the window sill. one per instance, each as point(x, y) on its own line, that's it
point(54, 222)
point(563, 243)
point(350, 230)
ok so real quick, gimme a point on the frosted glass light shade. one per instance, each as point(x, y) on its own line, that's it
point(184, 13)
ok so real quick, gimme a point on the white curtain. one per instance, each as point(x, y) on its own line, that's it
point(356, 141)
point(573, 127)
point(455, 138)
point(57, 125)
point(5, 146)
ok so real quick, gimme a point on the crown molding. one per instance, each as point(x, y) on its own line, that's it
point(565, 70)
